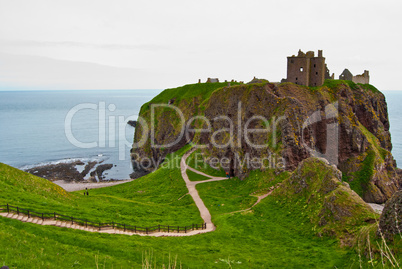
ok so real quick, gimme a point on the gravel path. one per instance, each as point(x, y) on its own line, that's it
point(69, 186)
point(205, 215)
point(74, 186)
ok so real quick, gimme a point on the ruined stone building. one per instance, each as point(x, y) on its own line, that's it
point(363, 78)
point(212, 80)
point(306, 69)
point(346, 75)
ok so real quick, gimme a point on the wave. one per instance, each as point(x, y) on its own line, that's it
point(96, 158)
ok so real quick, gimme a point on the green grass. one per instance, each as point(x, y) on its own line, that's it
point(361, 179)
point(196, 161)
point(334, 83)
point(270, 236)
point(148, 201)
point(267, 237)
point(195, 177)
point(264, 238)
point(200, 90)
point(369, 87)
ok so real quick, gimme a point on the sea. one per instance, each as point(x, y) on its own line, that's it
point(49, 127)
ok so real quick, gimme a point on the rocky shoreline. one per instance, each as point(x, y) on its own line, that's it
point(75, 171)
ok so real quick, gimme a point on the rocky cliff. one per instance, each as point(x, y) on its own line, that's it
point(316, 189)
point(341, 121)
point(391, 217)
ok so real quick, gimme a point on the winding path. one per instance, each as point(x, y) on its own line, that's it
point(191, 186)
point(205, 215)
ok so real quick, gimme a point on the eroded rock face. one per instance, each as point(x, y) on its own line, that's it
point(316, 188)
point(391, 217)
point(300, 124)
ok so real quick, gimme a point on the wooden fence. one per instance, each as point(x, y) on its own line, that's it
point(99, 225)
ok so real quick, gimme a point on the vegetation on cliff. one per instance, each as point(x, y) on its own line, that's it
point(292, 134)
point(331, 197)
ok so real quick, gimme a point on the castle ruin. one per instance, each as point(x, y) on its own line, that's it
point(306, 69)
point(363, 78)
point(212, 80)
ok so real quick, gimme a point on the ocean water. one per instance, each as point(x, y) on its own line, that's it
point(394, 101)
point(45, 127)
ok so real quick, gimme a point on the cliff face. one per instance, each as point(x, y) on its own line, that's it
point(391, 217)
point(343, 122)
point(316, 189)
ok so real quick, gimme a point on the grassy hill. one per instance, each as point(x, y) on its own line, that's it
point(274, 234)
point(269, 235)
point(149, 201)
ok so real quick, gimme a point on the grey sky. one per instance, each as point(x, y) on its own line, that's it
point(160, 44)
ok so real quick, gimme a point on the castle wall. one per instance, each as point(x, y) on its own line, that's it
point(298, 70)
point(317, 71)
point(305, 69)
point(346, 75)
point(363, 78)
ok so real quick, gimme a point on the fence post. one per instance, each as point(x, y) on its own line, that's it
point(8, 209)
point(18, 211)
point(72, 220)
point(185, 229)
point(196, 226)
point(124, 226)
point(28, 214)
point(168, 228)
point(86, 223)
point(43, 219)
point(147, 230)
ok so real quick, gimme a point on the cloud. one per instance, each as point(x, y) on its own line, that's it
point(25, 72)
point(33, 43)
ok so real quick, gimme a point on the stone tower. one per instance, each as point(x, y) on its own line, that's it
point(305, 69)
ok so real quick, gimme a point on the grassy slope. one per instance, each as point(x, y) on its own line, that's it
point(148, 201)
point(196, 161)
point(195, 177)
point(268, 236)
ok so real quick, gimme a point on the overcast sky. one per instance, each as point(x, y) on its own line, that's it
point(130, 44)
